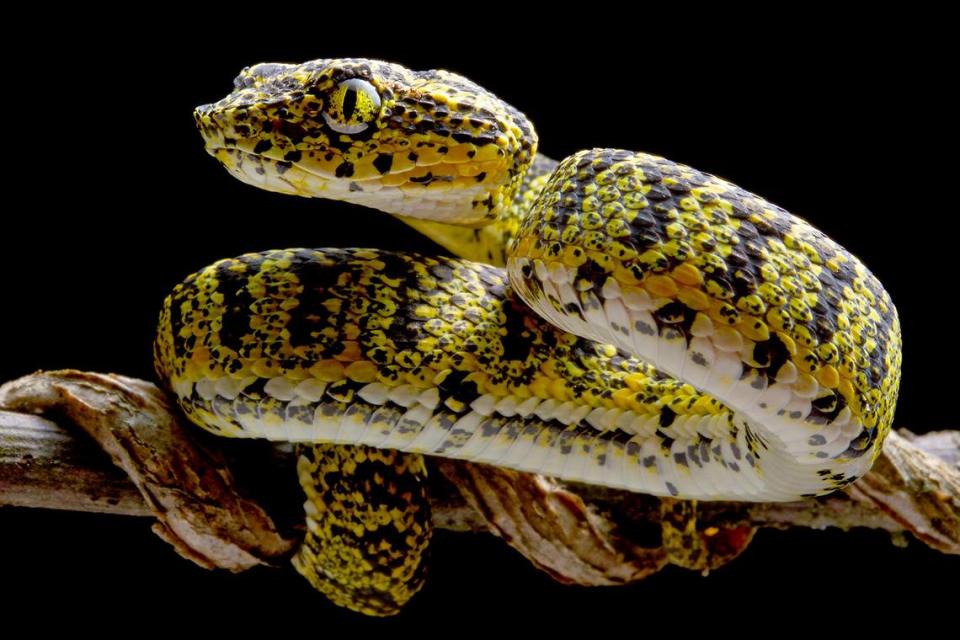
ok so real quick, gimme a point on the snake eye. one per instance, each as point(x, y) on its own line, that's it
point(353, 105)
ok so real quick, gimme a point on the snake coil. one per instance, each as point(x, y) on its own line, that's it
point(656, 329)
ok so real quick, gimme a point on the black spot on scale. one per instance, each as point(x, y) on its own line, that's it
point(672, 489)
point(454, 386)
point(383, 162)
point(644, 328)
point(828, 405)
point(676, 313)
point(293, 156)
point(424, 180)
point(263, 146)
point(723, 286)
point(344, 170)
point(772, 354)
point(667, 417)
point(480, 140)
point(666, 442)
point(592, 272)
point(744, 282)
point(860, 444)
point(699, 454)
point(573, 308)
point(516, 340)
point(817, 440)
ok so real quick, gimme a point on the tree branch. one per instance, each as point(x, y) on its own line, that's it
point(235, 504)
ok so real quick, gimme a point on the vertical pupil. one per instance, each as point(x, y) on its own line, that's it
point(349, 103)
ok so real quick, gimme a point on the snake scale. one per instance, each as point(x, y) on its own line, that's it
point(615, 318)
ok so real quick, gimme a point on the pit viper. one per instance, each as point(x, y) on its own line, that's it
point(615, 318)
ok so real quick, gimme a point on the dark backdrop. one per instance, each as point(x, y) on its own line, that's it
point(839, 120)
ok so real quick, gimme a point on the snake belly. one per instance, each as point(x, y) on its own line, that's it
point(686, 337)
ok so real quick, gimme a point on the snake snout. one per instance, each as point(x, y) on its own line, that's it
point(203, 113)
point(209, 123)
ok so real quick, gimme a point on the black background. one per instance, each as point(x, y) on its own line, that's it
point(839, 119)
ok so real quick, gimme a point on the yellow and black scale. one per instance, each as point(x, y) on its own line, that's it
point(656, 328)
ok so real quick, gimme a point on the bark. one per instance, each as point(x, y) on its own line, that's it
point(236, 504)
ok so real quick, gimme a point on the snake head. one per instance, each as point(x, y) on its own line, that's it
point(423, 144)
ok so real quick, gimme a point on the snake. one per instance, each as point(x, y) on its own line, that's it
point(614, 318)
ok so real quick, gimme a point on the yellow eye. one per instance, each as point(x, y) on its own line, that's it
point(353, 105)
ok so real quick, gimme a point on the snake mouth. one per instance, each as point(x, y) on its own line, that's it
point(266, 173)
point(409, 198)
point(244, 157)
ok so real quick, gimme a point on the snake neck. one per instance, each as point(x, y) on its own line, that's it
point(489, 244)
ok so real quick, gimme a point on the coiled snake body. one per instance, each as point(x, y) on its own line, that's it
point(656, 329)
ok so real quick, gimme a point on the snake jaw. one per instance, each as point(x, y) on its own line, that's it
point(428, 145)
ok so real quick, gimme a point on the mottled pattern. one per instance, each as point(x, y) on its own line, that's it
point(758, 359)
point(722, 289)
point(368, 525)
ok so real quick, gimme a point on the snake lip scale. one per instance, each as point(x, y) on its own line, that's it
point(655, 328)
